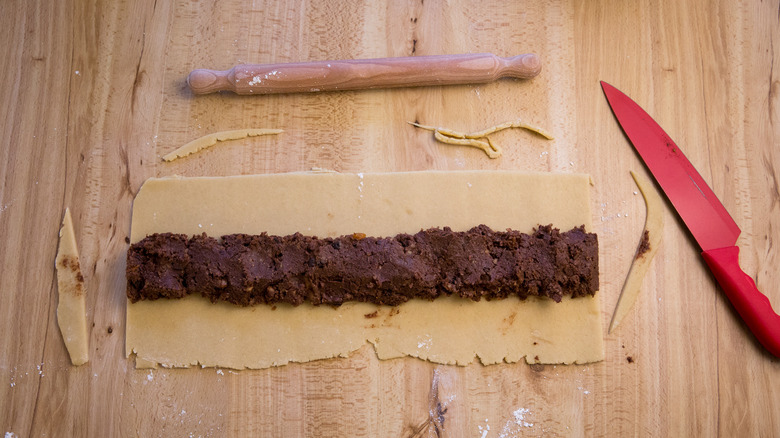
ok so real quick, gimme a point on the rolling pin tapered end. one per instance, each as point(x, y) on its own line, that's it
point(203, 81)
point(524, 66)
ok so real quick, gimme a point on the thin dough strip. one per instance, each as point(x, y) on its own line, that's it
point(508, 125)
point(492, 150)
point(654, 225)
point(444, 131)
point(210, 140)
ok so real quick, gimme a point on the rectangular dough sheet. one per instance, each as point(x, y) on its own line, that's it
point(193, 331)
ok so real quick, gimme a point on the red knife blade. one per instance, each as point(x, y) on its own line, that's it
point(703, 214)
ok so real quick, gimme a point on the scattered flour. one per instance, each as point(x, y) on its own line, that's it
point(520, 417)
point(485, 429)
point(257, 80)
point(424, 342)
point(514, 426)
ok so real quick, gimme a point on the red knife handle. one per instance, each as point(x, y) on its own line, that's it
point(753, 306)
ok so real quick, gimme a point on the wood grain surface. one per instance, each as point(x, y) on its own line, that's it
point(93, 94)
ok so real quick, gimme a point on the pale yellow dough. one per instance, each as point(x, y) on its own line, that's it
point(193, 331)
point(212, 139)
point(71, 306)
point(492, 150)
point(654, 225)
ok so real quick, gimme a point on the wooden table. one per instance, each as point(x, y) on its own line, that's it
point(92, 95)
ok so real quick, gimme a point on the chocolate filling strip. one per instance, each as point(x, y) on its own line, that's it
point(264, 269)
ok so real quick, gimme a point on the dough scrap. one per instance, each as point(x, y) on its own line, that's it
point(212, 139)
point(71, 307)
point(492, 150)
point(193, 331)
point(654, 225)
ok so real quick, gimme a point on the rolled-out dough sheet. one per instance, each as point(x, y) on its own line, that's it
point(193, 331)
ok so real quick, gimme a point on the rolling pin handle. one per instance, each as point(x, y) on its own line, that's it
point(524, 66)
point(204, 81)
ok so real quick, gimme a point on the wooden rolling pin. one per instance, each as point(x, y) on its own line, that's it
point(364, 73)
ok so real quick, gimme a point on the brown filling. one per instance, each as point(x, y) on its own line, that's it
point(644, 244)
point(263, 269)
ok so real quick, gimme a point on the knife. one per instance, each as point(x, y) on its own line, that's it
point(358, 74)
point(709, 222)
